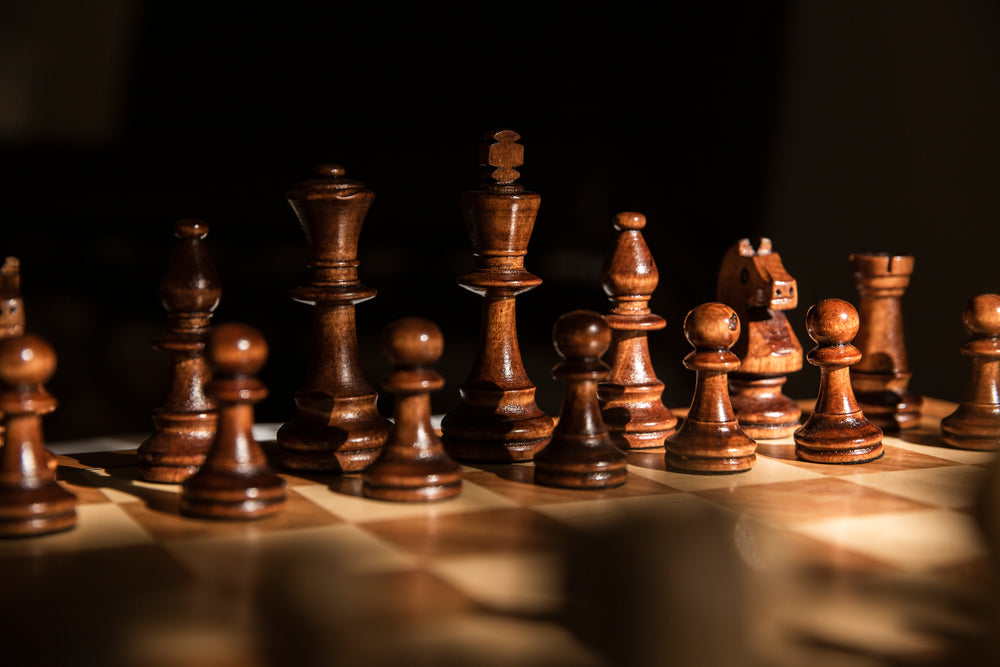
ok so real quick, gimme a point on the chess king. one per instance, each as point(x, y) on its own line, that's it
point(755, 284)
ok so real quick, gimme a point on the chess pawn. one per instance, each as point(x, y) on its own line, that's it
point(184, 425)
point(837, 430)
point(631, 398)
point(975, 424)
point(755, 284)
point(235, 481)
point(496, 419)
point(32, 502)
point(336, 426)
point(709, 439)
point(580, 454)
point(881, 379)
point(413, 465)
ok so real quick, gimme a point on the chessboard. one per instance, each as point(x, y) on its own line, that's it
point(789, 563)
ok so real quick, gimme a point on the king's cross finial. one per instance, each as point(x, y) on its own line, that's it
point(502, 154)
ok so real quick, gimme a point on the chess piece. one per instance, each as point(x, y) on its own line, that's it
point(975, 424)
point(709, 438)
point(413, 465)
point(837, 431)
point(235, 481)
point(184, 425)
point(755, 284)
point(881, 379)
point(496, 419)
point(336, 426)
point(580, 454)
point(11, 304)
point(631, 403)
point(32, 502)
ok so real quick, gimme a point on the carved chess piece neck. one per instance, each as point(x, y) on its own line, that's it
point(496, 418)
point(631, 398)
point(755, 284)
point(184, 425)
point(336, 425)
point(975, 423)
point(837, 430)
point(709, 439)
point(881, 379)
point(580, 454)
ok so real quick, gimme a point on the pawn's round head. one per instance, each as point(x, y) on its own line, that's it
point(832, 322)
point(26, 360)
point(981, 315)
point(712, 326)
point(236, 349)
point(412, 341)
point(581, 334)
point(629, 220)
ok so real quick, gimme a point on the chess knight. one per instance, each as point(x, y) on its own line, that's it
point(755, 284)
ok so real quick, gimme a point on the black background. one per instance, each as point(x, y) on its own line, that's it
point(828, 127)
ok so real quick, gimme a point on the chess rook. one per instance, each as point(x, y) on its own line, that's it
point(235, 481)
point(709, 438)
point(496, 418)
point(336, 426)
point(755, 284)
point(413, 465)
point(881, 379)
point(580, 454)
point(32, 502)
point(837, 430)
point(184, 425)
point(11, 304)
point(975, 423)
point(631, 398)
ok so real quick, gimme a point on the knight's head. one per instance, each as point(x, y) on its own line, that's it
point(755, 278)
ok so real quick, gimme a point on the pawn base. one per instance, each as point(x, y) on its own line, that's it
point(412, 481)
point(973, 426)
point(216, 495)
point(848, 438)
point(581, 463)
point(25, 512)
point(709, 448)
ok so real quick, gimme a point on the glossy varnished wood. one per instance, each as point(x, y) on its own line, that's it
point(184, 425)
point(580, 454)
point(11, 304)
point(336, 426)
point(32, 502)
point(755, 284)
point(881, 379)
point(709, 438)
point(837, 430)
point(235, 481)
point(631, 397)
point(413, 465)
point(496, 418)
point(975, 423)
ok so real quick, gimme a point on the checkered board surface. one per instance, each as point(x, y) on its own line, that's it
point(880, 563)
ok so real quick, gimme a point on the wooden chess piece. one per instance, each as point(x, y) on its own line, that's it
point(184, 425)
point(709, 438)
point(235, 481)
point(496, 419)
point(881, 379)
point(975, 424)
point(837, 431)
point(32, 502)
point(413, 465)
point(631, 398)
point(755, 284)
point(580, 454)
point(336, 426)
point(11, 304)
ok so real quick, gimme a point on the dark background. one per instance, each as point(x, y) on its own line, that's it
point(828, 127)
